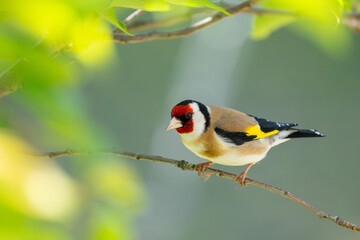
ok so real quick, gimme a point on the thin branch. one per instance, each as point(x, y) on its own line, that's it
point(269, 11)
point(133, 16)
point(184, 165)
point(137, 13)
point(120, 38)
point(349, 19)
point(144, 25)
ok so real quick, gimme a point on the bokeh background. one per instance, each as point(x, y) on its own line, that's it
point(124, 103)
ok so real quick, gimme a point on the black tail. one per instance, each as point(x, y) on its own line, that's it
point(300, 133)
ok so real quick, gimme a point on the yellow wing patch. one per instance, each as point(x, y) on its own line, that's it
point(255, 130)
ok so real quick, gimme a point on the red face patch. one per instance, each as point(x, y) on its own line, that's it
point(180, 112)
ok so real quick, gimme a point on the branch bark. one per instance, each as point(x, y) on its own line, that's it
point(137, 13)
point(349, 19)
point(352, 20)
point(144, 25)
point(121, 38)
point(133, 16)
point(185, 165)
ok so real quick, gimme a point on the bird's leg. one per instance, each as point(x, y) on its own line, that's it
point(201, 168)
point(241, 177)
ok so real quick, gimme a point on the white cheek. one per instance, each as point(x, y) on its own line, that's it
point(189, 136)
point(198, 124)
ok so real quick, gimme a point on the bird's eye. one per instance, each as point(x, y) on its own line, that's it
point(189, 115)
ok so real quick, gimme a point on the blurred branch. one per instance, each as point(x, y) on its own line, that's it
point(121, 38)
point(133, 16)
point(143, 25)
point(129, 19)
point(184, 165)
point(352, 20)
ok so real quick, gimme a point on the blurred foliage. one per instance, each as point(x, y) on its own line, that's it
point(38, 200)
point(319, 21)
point(39, 38)
point(27, 183)
point(45, 35)
point(45, 46)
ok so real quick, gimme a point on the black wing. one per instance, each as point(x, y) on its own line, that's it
point(268, 126)
point(237, 138)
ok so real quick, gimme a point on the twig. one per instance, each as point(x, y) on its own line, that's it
point(144, 25)
point(128, 20)
point(133, 16)
point(348, 19)
point(185, 165)
point(120, 38)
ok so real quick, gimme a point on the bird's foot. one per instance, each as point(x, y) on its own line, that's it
point(240, 178)
point(201, 168)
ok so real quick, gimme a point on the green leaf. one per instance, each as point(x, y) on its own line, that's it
point(265, 25)
point(351, 4)
point(198, 3)
point(114, 180)
point(348, 4)
point(336, 41)
point(9, 83)
point(147, 5)
point(163, 5)
point(110, 16)
point(325, 10)
point(108, 222)
point(19, 226)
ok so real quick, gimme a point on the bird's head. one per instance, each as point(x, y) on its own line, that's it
point(189, 116)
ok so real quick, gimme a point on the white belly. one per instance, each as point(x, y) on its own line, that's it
point(230, 158)
point(236, 160)
point(196, 148)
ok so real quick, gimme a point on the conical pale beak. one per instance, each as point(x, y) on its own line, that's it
point(174, 123)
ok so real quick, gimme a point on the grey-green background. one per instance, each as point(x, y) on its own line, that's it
point(283, 78)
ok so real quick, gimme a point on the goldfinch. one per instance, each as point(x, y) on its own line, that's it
point(229, 137)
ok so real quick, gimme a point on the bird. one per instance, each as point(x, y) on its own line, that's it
point(229, 137)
